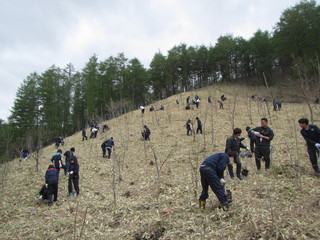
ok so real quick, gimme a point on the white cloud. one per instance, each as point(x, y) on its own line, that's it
point(37, 34)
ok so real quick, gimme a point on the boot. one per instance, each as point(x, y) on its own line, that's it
point(202, 205)
point(239, 173)
point(225, 206)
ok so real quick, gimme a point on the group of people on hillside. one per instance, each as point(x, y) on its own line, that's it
point(212, 169)
point(71, 170)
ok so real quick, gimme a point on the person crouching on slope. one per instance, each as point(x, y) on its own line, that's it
point(52, 179)
point(211, 171)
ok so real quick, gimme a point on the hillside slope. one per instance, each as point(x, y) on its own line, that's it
point(125, 198)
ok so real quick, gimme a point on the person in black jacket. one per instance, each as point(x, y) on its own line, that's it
point(52, 179)
point(189, 127)
point(199, 128)
point(146, 133)
point(252, 138)
point(105, 127)
point(84, 134)
point(74, 176)
point(311, 133)
point(68, 156)
point(233, 145)
point(107, 145)
point(211, 171)
point(57, 160)
point(264, 136)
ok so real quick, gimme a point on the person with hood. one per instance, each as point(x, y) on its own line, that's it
point(57, 160)
point(233, 145)
point(68, 156)
point(211, 172)
point(52, 179)
point(311, 133)
point(74, 176)
point(107, 145)
point(264, 136)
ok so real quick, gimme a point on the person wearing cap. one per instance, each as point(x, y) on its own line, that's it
point(52, 179)
point(233, 145)
point(211, 172)
point(264, 136)
point(74, 176)
point(311, 133)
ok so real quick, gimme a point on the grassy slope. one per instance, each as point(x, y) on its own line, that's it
point(282, 203)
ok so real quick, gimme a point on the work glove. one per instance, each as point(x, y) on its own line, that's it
point(40, 197)
point(248, 149)
point(257, 134)
point(318, 145)
point(222, 181)
point(46, 185)
point(71, 172)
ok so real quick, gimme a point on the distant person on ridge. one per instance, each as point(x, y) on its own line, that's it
point(142, 109)
point(24, 154)
point(84, 134)
point(264, 136)
point(107, 145)
point(311, 133)
point(211, 171)
point(59, 140)
point(52, 179)
point(199, 128)
point(220, 104)
point(94, 132)
point(105, 127)
point(209, 100)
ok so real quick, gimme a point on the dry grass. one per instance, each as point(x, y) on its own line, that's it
point(280, 204)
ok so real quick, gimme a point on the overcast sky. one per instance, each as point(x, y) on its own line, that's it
point(37, 34)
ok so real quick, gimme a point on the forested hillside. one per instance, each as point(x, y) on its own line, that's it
point(63, 100)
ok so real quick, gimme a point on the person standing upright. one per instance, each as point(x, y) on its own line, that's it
point(264, 136)
point(199, 128)
point(311, 133)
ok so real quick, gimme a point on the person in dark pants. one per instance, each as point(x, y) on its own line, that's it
point(233, 145)
point(105, 127)
point(68, 156)
point(311, 133)
point(252, 138)
point(189, 127)
point(52, 179)
point(220, 104)
point(57, 160)
point(146, 133)
point(44, 192)
point(107, 145)
point(84, 134)
point(199, 128)
point(211, 171)
point(209, 100)
point(264, 136)
point(74, 176)
point(59, 140)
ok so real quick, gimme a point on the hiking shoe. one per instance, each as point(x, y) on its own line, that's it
point(225, 206)
point(316, 174)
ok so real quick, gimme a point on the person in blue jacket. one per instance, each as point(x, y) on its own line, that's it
point(211, 171)
point(311, 133)
point(52, 179)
